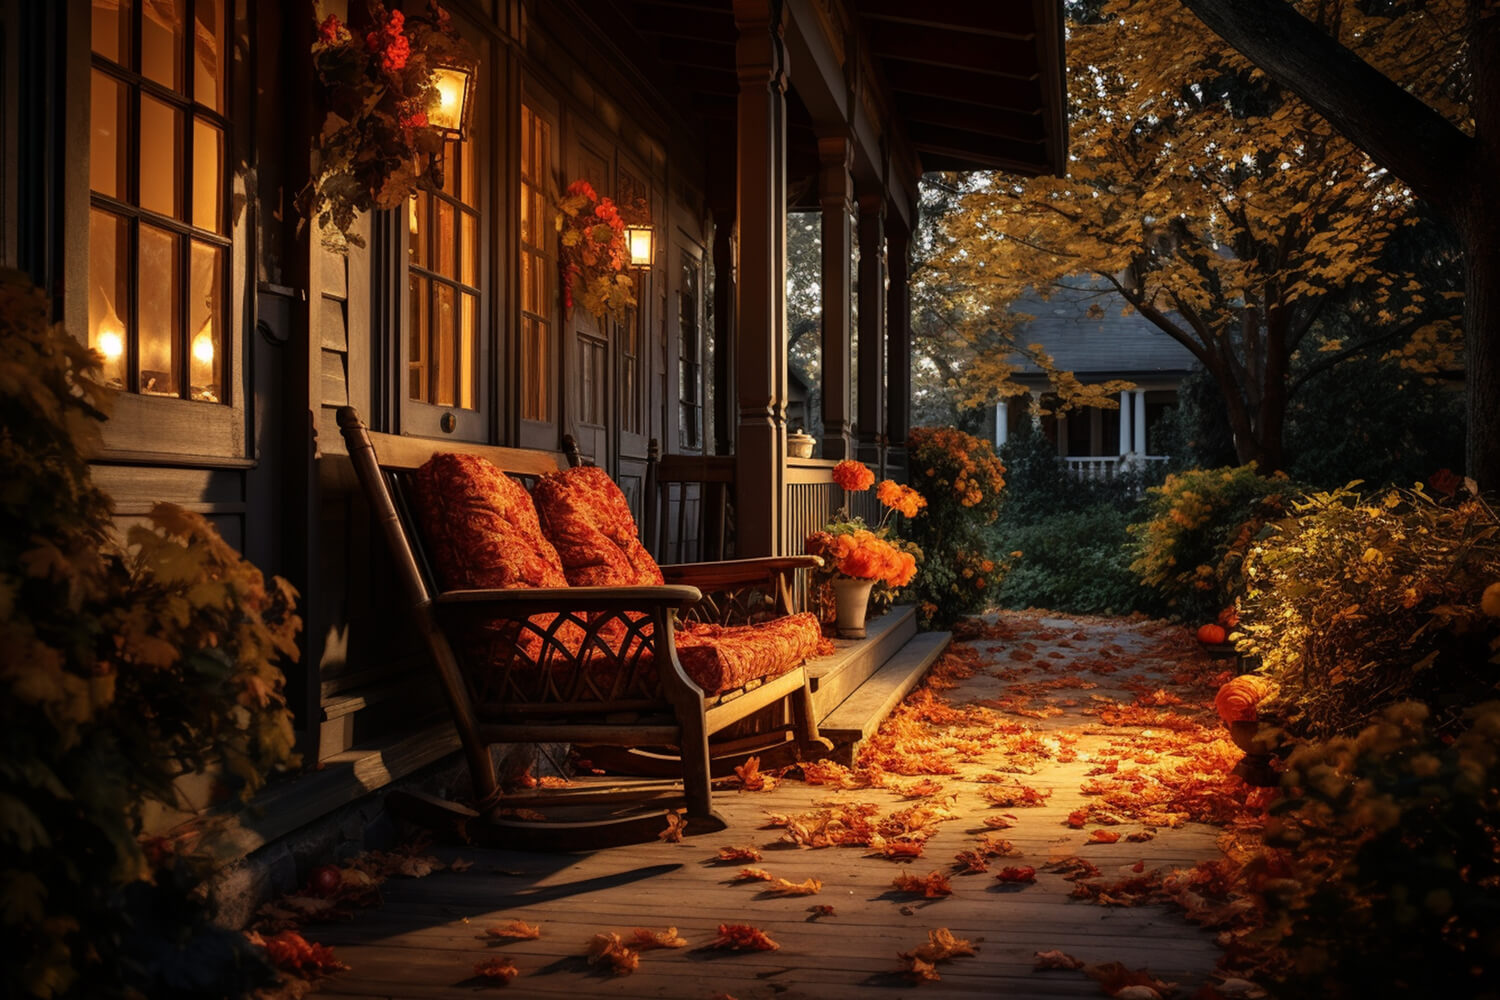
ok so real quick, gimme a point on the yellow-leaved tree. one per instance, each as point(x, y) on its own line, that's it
point(1214, 203)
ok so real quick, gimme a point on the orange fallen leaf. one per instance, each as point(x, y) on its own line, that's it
point(291, 952)
point(739, 854)
point(645, 940)
point(1024, 873)
point(970, 862)
point(609, 948)
point(742, 937)
point(1140, 836)
point(1103, 837)
point(993, 846)
point(821, 910)
point(1011, 796)
point(675, 825)
point(1077, 818)
point(1128, 984)
point(751, 779)
point(754, 875)
point(900, 849)
point(1055, 959)
point(919, 970)
point(520, 930)
point(1002, 822)
point(941, 944)
point(807, 887)
point(497, 970)
point(932, 886)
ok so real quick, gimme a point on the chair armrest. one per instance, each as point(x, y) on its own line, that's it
point(712, 575)
point(536, 600)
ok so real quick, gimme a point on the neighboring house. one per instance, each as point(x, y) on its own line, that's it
point(152, 151)
point(1087, 330)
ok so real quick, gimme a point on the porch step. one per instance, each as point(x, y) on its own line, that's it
point(862, 712)
point(834, 678)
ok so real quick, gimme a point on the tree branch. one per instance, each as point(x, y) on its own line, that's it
point(1397, 130)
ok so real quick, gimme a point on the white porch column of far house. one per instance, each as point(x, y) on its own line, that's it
point(1002, 423)
point(1125, 410)
point(1139, 423)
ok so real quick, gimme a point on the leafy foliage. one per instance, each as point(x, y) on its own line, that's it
point(963, 482)
point(1196, 531)
point(1073, 561)
point(593, 254)
point(1389, 862)
point(1357, 601)
point(122, 668)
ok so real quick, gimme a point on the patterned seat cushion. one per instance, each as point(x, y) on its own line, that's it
point(586, 517)
point(721, 658)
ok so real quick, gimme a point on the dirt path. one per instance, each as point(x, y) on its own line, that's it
point(1025, 708)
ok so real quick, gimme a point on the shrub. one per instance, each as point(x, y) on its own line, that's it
point(1197, 527)
point(1358, 601)
point(1074, 561)
point(963, 481)
point(1387, 877)
point(121, 669)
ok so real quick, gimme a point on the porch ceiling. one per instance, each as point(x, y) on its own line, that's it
point(976, 84)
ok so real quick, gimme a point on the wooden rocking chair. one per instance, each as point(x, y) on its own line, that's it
point(595, 666)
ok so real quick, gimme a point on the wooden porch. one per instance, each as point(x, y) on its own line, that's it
point(426, 938)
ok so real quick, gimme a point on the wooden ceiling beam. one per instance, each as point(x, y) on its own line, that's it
point(938, 144)
point(922, 43)
point(1007, 17)
point(965, 86)
point(966, 117)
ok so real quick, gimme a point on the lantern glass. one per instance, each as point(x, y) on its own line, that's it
point(448, 111)
point(640, 240)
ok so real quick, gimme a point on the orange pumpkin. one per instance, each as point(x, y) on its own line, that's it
point(1211, 634)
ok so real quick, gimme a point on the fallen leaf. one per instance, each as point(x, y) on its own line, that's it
point(932, 886)
point(675, 825)
point(805, 888)
point(1055, 959)
point(941, 944)
point(645, 940)
point(609, 948)
point(739, 854)
point(919, 970)
point(291, 952)
point(1024, 873)
point(518, 930)
point(1002, 822)
point(821, 910)
point(970, 862)
point(742, 937)
point(751, 779)
point(1115, 979)
point(1103, 837)
point(754, 875)
point(1140, 836)
point(497, 970)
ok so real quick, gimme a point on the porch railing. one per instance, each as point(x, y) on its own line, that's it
point(1105, 467)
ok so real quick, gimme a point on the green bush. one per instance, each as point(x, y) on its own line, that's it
point(121, 670)
point(1361, 600)
point(1196, 528)
point(1384, 874)
point(963, 481)
point(1076, 561)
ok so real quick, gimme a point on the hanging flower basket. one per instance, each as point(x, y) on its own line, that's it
point(376, 147)
point(594, 256)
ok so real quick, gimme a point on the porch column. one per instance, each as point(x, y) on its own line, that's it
point(871, 327)
point(1002, 423)
point(1125, 438)
point(898, 344)
point(724, 339)
point(1139, 423)
point(836, 196)
point(761, 348)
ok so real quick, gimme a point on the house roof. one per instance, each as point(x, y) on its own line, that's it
point(1110, 342)
point(969, 84)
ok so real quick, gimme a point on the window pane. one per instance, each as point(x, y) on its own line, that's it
point(444, 244)
point(159, 298)
point(109, 292)
point(526, 236)
point(470, 261)
point(208, 53)
point(161, 155)
point(468, 174)
point(208, 176)
point(468, 342)
point(108, 114)
point(161, 42)
point(111, 30)
point(416, 226)
point(206, 319)
point(416, 361)
point(444, 326)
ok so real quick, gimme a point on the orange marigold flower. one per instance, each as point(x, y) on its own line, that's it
point(902, 499)
point(853, 476)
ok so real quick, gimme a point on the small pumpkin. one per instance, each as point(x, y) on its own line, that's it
point(1212, 634)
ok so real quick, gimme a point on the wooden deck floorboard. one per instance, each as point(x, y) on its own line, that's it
point(426, 938)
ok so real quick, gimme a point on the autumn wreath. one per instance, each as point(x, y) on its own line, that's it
point(376, 148)
point(595, 257)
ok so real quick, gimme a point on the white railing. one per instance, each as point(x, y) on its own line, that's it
point(1105, 467)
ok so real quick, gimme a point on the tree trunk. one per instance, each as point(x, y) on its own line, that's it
point(1480, 233)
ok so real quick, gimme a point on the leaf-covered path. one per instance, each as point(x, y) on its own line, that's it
point(984, 767)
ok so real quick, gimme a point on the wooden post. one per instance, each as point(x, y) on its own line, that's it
point(724, 339)
point(761, 348)
point(836, 191)
point(872, 327)
point(898, 345)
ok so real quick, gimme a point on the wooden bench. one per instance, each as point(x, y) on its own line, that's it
point(630, 693)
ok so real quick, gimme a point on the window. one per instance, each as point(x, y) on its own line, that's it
point(537, 366)
point(158, 175)
point(443, 285)
point(690, 356)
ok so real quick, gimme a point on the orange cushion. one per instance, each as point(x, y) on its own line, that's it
point(720, 658)
point(480, 527)
point(586, 517)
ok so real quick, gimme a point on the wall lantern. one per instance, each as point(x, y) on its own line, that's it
point(639, 238)
point(449, 110)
